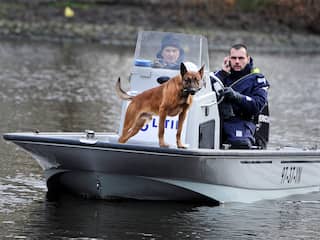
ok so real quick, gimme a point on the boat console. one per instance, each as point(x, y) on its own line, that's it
point(202, 125)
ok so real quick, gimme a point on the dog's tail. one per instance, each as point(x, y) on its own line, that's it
point(121, 93)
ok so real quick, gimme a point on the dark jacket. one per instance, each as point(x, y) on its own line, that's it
point(239, 127)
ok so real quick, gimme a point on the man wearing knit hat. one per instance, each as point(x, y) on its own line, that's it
point(171, 54)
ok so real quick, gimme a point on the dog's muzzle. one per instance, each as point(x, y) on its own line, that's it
point(191, 91)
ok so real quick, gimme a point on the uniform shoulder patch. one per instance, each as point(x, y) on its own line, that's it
point(261, 80)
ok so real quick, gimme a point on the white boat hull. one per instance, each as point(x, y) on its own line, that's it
point(104, 169)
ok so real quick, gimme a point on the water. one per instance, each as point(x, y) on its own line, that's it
point(69, 87)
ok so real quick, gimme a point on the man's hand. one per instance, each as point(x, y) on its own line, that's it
point(226, 65)
point(232, 95)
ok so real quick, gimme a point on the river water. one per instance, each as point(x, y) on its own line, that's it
point(70, 87)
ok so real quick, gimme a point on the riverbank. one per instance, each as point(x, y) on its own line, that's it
point(118, 24)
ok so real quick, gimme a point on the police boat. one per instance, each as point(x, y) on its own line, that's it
point(95, 165)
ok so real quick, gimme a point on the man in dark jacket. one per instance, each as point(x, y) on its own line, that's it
point(245, 95)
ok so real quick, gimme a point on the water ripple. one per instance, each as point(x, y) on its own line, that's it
point(18, 191)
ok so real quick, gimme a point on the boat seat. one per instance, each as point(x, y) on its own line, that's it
point(240, 144)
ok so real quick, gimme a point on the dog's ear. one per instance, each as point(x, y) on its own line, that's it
point(201, 70)
point(183, 69)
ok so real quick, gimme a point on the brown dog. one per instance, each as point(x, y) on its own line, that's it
point(168, 99)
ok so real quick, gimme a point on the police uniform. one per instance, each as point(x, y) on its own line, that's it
point(250, 86)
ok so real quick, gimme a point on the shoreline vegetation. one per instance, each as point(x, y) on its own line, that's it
point(266, 25)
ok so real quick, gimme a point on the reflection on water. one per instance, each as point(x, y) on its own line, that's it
point(19, 191)
point(70, 87)
point(74, 218)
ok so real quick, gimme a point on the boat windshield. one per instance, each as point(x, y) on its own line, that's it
point(151, 46)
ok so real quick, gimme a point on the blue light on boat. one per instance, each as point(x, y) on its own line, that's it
point(143, 63)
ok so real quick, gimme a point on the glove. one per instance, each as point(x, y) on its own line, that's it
point(232, 95)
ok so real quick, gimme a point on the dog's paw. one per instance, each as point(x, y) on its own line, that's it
point(182, 146)
point(164, 145)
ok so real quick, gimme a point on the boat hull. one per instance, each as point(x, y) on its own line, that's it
point(101, 168)
point(114, 187)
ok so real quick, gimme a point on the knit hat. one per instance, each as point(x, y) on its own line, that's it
point(170, 40)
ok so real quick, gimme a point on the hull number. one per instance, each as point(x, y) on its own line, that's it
point(291, 175)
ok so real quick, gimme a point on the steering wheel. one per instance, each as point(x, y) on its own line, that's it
point(218, 87)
